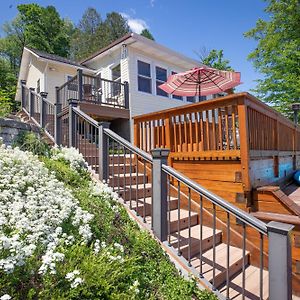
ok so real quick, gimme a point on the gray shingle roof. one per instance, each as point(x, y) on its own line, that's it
point(55, 57)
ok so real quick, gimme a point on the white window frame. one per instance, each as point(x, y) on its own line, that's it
point(160, 81)
point(143, 76)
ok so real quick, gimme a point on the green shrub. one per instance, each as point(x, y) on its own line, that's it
point(29, 141)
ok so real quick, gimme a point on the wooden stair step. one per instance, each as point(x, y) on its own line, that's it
point(116, 169)
point(124, 179)
point(252, 284)
point(148, 205)
point(135, 189)
point(207, 240)
point(184, 219)
point(120, 159)
point(235, 261)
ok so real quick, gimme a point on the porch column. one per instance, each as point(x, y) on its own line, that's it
point(103, 152)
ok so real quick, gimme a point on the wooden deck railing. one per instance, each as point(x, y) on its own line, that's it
point(237, 126)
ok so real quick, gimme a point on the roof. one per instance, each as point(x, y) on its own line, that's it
point(145, 44)
point(116, 42)
point(54, 57)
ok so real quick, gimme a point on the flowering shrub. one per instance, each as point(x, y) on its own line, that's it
point(51, 247)
point(38, 216)
point(70, 155)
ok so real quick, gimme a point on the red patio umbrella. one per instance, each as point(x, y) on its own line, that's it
point(201, 81)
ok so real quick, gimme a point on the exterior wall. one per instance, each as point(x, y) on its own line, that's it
point(142, 102)
point(50, 75)
point(36, 71)
point(56, 75)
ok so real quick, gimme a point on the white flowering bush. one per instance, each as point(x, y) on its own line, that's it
point(38, 215)
point(70, 155)
point(63, 236)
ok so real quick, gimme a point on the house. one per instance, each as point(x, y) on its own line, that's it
point(141, 62)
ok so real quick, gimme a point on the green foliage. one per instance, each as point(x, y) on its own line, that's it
point(215, 59)
point(147, 34)
point(144, 260)
point(29, 141)
point(92, 33)
point(6, 104)
point(44, 29)
point(277, 55)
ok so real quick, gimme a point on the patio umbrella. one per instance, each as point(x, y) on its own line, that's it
point(201, 81)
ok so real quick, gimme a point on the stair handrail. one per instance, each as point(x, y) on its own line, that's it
point(227, 206)
point(128, 145)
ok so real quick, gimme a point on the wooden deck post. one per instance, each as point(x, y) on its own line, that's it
point(43, 111)
point(31, 102)
point(23, 100)
point(159, 194)
point(136, 137)
point(280, 261)
point(80, 85)
point(57, 119)
point(244, 143)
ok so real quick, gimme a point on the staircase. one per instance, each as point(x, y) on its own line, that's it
point(180, 224)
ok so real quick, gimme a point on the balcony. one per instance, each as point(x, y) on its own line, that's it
point(99, 97)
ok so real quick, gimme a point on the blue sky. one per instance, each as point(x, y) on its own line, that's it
point(185, 26)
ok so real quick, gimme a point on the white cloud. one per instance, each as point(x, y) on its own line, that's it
point(136, 25)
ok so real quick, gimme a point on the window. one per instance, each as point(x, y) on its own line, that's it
point(174, 96)
point(191, 99)
point(72, 86)
point(116, 77)
point(202, 98)
point(38, 86)
point(116, 73)
point(161, 77)
point(144, 77)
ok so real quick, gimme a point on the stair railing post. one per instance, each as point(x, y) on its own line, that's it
point(103, 152)
point(23, 94)
point(280, 261)
point(57, 119)
point(126, 94)
point(43, 111)
point(72, 123)
point(31, 102)
point(159, 194)
point(80, 85)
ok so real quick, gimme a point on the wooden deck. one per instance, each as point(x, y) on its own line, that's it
point(237, 147)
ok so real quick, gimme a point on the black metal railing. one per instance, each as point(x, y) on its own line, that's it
point(94, 89)
point(40, 110)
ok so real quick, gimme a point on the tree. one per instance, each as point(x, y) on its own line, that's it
point(114, 27)
point(214, 58)
point(85, 40)
point(277, 55)
point(147, 34)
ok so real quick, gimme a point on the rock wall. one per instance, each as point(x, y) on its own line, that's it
point(9, 129)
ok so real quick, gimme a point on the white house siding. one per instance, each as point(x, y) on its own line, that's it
point(36, 72)
point(141, 102)
point(56, 75)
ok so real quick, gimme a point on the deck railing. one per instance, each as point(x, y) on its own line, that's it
point(39, 109)
point(94, 89)
point(237, 126)
point(110, 156)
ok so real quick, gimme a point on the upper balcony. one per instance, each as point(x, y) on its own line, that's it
point(99, 97)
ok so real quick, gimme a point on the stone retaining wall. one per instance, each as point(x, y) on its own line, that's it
point(9, 129)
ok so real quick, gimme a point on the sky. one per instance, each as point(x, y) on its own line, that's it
point(186, 26)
